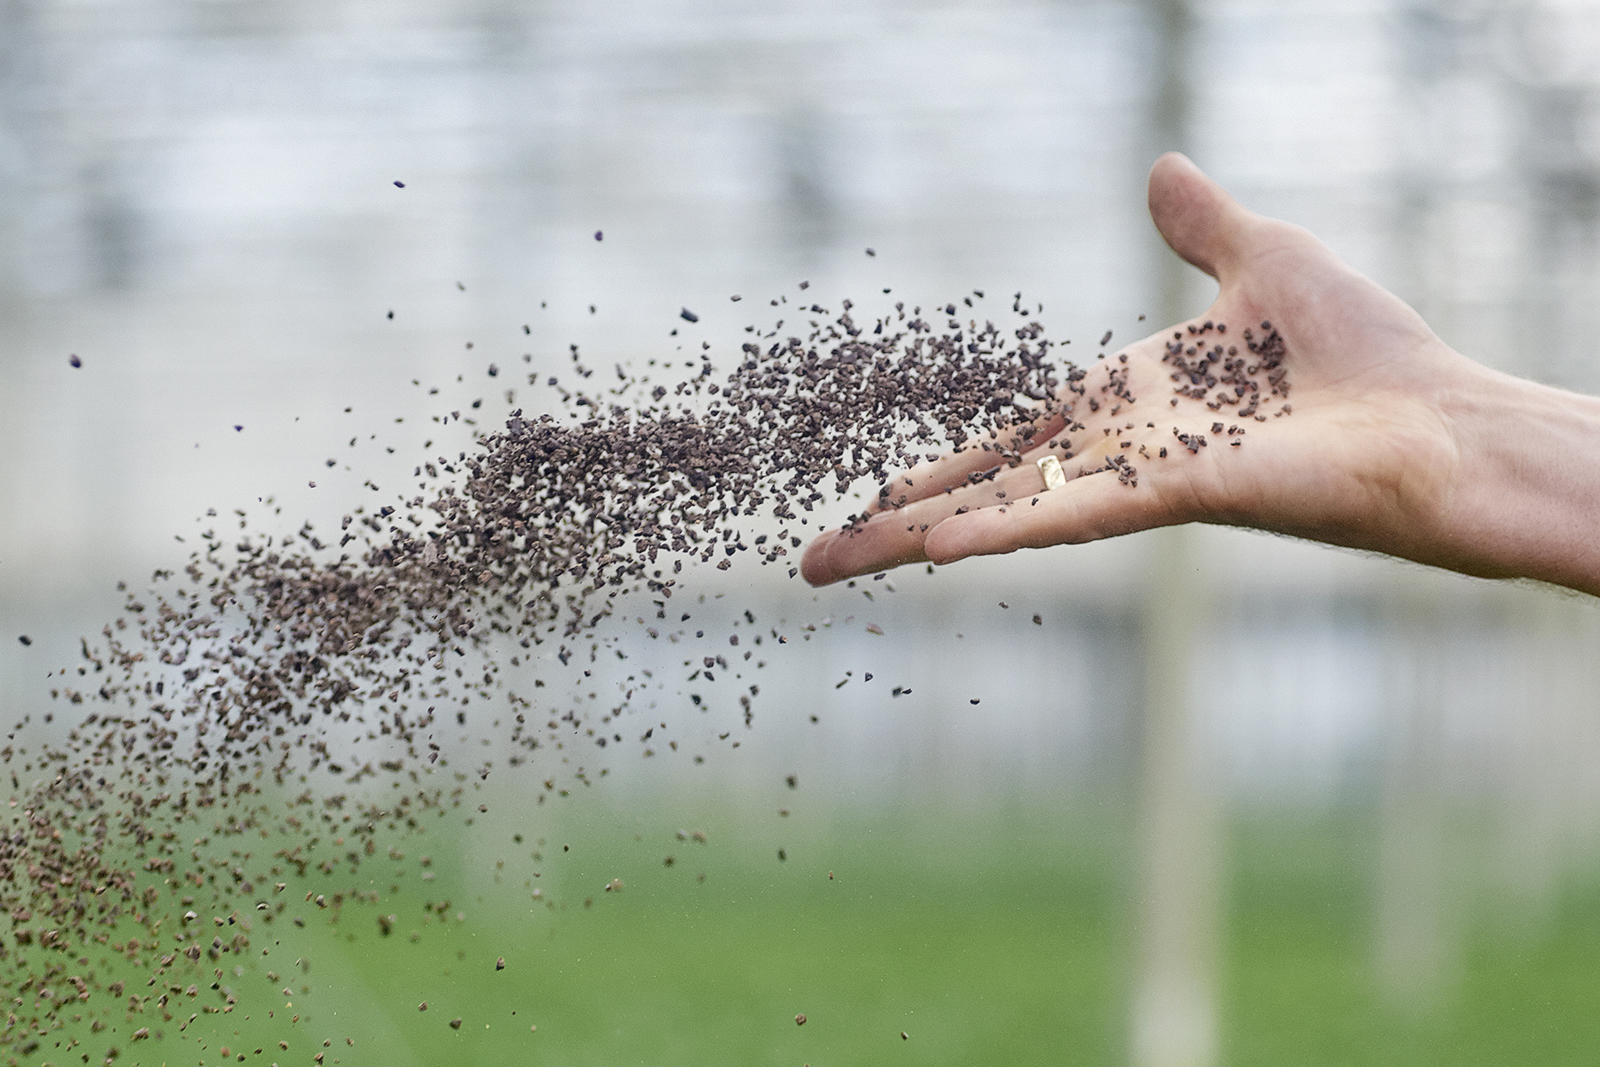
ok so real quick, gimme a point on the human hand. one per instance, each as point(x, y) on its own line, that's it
point(1396, 443)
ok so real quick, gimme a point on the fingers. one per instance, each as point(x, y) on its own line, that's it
point(1197, 218)
point(954, 468)
point(1085, 509)
point(895, 537)
point(880, 544)
point(1013, 510)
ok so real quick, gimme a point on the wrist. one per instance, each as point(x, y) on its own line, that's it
point(1527, 499)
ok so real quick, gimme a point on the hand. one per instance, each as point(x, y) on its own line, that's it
point(1388, 440)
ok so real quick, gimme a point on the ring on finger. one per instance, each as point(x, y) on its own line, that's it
point(1054, 476)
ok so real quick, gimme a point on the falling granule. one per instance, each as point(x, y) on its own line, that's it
point(74, 360)
point(25, 639)
point(265, 659)
point(401, 185)
point(599, 235)
point(500, 964)
point(688, 316)
point(800, 1020)
point(455, 1024)
point(904, 1036)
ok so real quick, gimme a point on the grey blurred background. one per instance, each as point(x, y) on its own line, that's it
point(198, 199)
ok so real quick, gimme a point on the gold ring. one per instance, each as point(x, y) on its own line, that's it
point(1054, 477)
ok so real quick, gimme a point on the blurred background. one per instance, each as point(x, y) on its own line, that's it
point(1233, 800)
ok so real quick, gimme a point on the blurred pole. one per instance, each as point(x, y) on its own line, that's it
point(1416, 944)
point(1174, 1006)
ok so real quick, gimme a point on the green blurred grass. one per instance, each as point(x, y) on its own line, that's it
point(1000, 941)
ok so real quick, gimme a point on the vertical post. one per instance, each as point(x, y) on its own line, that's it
point(1174, 1005)
point(1416, 936)
point(1174, 997)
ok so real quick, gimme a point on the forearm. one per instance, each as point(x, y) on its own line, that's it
point(1527, 499)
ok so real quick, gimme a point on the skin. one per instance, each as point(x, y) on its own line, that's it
point(1397, 443)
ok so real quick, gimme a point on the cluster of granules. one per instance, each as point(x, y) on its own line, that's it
point(181, 810)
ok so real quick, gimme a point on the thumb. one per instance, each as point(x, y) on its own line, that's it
point(1197, 217)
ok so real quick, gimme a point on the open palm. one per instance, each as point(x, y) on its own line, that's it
point(1381, 443)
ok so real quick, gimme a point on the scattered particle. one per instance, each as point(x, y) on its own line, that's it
point(688, 316)
point(399, 185)
point(800, 1020)
point(599, 235)
point(525, 536)
point(74, 360)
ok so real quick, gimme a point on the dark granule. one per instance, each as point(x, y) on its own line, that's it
point(205, 708)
